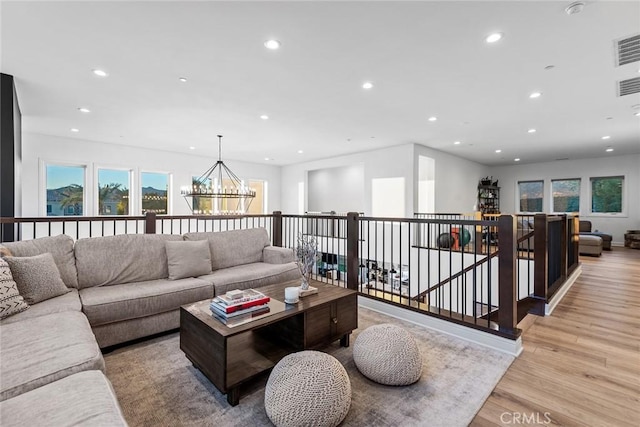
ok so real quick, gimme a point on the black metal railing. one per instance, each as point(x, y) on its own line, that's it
point(462, 269)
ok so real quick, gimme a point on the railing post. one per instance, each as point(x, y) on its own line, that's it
point(540, 259)
point(150, 223)
point(353, 258)
point(477, 215)
point(276, 234)
point(564, 248)
point(507, 292)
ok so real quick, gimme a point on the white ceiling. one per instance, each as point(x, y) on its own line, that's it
point(424, 59)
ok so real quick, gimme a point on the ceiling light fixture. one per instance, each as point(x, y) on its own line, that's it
point(517, 159)
point(100, 73)
point(575, 7)
point(535, 95)
point(267, 159)
point(272, 44)
point(75, 130)
point(531, 131)
point(637, 114)
point(221, 187)
point(433, 119)
point(84, 110)
point(492, 38)
point(367, 85)
point(300, 151)
point(498, 151)
point(182, 79)
point(456, 143)
point(264, 117)
point(606, 137)
point(192, 148)
point(609, 150)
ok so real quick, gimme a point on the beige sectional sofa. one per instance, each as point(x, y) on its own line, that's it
point(121, 288)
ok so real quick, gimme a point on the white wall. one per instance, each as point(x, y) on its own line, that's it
point(38, 148)
point(456, 180)
point(338, 189)
point(629, 166)
point(392, 162)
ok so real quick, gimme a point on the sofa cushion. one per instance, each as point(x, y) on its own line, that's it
point(235, 247)
point(60, 247)
point(67, 302)
point(188, 259)
point(37, 277)
point(11, 303)
point(82, 399)
point(251, 276)
point(107, 304)
point(278, 255)
point(584, 226)
point(44, 349)
point(125, 258)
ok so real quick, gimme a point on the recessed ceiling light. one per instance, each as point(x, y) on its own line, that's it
point(100, 73)
point(84, 110)
point(433, 119)
point(182, 79)
point(300, 151)
point(549, 67)
point(264, 117)
point(492, 38)
point(575, 7)
point(456, 143)
point(272, 44)
point(637, 114)
point(74, 130)
point(531, 131)
point(535, 95)
point(367, 85)
point(192, 148)
point(606, 137)
point(267, 159)
point(608, 150)
point(498, 151)
point(517, 159)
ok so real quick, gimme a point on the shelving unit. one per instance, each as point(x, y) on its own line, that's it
point(488, 199)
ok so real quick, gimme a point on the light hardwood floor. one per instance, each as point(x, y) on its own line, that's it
point(581, 365)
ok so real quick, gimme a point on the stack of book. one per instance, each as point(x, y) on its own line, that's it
point(238, 303)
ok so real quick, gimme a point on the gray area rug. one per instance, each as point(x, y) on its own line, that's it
point(157, 386)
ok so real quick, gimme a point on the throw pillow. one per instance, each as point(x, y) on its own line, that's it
point(10, 300)
point(4, 251)
point(37, 277)
point(188, 258)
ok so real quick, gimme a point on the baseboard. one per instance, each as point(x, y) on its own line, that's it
point(555, 300)
point(505, 345)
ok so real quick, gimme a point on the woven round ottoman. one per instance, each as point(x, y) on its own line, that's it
point(387, 354)
point(308, 388)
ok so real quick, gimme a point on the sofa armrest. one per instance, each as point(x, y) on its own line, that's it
point(277, 255)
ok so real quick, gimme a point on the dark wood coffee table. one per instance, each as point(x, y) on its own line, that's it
point(230, 356)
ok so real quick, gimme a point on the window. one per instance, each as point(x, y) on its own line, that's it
point(606, 194)
point(566, 195)
point(201, 205)
point(530, 194)
point(257, 205)
point(113, 192)
point(154, 191)
point(65, 190)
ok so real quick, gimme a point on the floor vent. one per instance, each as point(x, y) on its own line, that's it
point(629, 86)
point(628, 50)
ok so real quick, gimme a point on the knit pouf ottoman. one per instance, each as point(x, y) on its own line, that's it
point(387, 354)
point(308, 388)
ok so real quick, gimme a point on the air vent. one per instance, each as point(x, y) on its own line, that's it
point(628, 50)
point(629, 86)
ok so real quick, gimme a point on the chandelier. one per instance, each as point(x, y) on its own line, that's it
point(218, 190)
